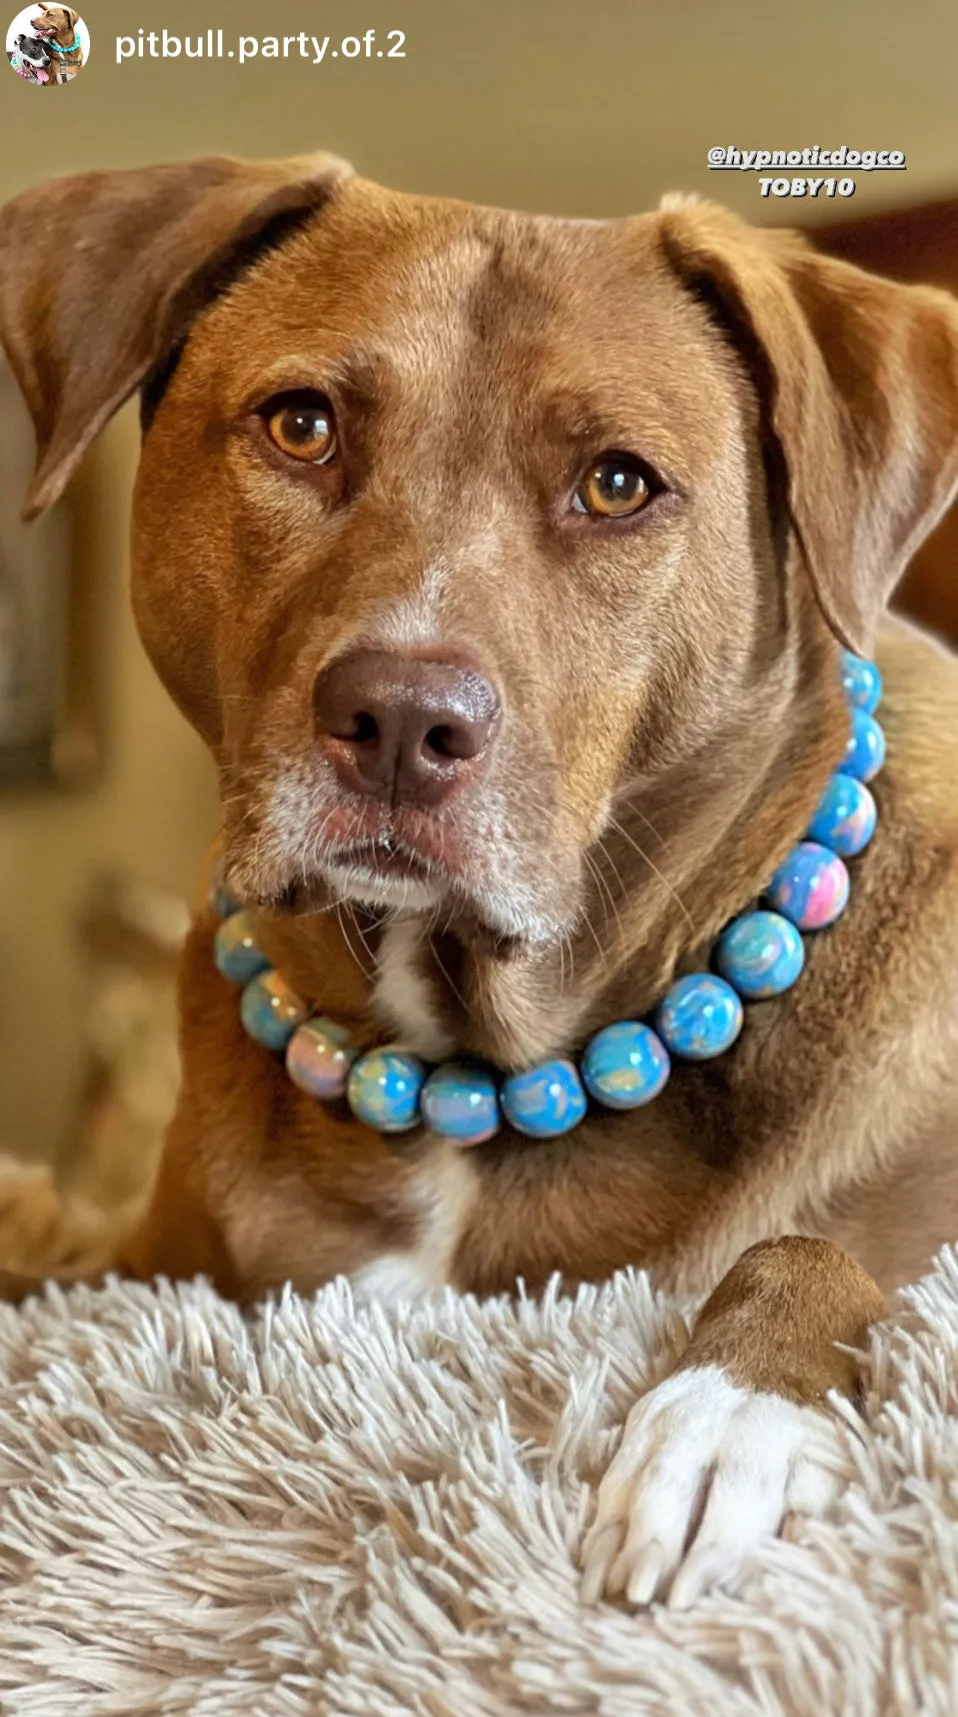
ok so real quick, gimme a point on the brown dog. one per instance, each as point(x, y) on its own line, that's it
point(502, 563)
point(57, 28)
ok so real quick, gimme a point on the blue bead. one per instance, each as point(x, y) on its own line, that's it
point(544, 1102)
point(384, 1088)
point(271, 1010)
point(625, 1065)
point(235, 951)
point(223, 902)
point(845, 818)
point(461, 1103)
point(700, 1017)
point(760, 954)
point(861, 682)
point(865, 752)
point(810, 887)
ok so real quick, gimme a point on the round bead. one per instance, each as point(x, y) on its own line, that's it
point(760, 954)
point(700, 1017)
point(625, 1065)
point(318, 1058)
point(810, 888)
point(461, 1103)
point(235, 951)
point(845, 818)
point(861, 682)
point(271, 1010)
point(224, 903)
point(544, 1102)
point(383, 1089)
point(865, 752)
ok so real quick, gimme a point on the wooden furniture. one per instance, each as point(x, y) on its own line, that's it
point(918, 244)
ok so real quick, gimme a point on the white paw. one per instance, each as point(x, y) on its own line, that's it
point(705, 1472)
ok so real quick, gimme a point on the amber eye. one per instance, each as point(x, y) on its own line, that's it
point(613, 487)
point(303, 428)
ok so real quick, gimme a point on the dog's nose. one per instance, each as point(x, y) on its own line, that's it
point(403, 728)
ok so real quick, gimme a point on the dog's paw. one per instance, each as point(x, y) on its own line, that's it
point(44, 1234)
point(705, 1472)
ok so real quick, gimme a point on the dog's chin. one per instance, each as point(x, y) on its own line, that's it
point(480, 917)
point(368, 886)
point(393, 885)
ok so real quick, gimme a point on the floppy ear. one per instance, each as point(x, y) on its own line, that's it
point(860, 378)
point(100, 275)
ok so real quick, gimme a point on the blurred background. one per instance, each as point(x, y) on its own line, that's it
point(106, 798)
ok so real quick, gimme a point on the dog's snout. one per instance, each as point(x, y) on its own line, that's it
point(402, 728)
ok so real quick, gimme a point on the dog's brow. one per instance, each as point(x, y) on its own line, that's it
point(580, 422)
point(362, 377)
point(579, 418)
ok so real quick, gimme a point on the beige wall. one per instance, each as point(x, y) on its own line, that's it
point(150, 814)
point(553, 104)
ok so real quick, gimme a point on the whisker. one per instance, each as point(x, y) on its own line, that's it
point(454, 987)
point(374, 963)
point(623, 797)
point(623, 891)
point(346, 938)
point(601, 880)
point(615, 824)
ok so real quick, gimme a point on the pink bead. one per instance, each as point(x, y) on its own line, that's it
point(810, 888)
point(316, 1063)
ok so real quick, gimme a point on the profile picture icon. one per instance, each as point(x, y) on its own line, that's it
point(48, 45)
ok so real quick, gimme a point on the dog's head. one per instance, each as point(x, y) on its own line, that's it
point(32, 50)
point(455, 527)
point(55, 23)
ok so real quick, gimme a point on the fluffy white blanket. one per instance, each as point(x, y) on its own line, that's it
point(329, 1509)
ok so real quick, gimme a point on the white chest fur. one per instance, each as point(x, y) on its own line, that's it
point(403, 996)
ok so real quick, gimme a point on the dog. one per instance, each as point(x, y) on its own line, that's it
point(57, 28)
point(30, 59)
point(504, 563)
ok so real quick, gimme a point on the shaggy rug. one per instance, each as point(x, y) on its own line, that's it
point(323, 1508)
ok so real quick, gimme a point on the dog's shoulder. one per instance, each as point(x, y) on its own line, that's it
point(919, 714)
point(908, 880)
point(897, 948)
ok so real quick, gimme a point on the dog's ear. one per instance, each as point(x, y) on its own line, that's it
point(859, 378)
point(100, 275)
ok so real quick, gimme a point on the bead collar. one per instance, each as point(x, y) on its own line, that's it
point(758, 955)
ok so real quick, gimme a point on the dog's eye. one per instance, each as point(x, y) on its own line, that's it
point(302, 426)
point(615, 486)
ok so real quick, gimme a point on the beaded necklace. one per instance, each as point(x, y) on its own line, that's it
point(759, 954)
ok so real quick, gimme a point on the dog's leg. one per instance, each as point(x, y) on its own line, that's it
point(738, 1439)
